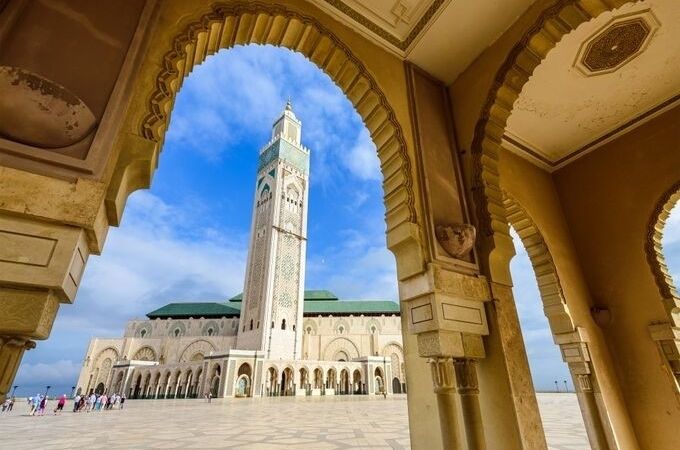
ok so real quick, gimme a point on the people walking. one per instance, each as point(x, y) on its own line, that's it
point(42, 405)
point(35, 404)
point(60, 404)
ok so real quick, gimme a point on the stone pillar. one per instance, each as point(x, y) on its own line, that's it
point(574, 349)
point(444, 381)
point(447, 314)
point(40, 267)
point(468, 389)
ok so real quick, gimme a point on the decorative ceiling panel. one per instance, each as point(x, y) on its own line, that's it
point(600, 81)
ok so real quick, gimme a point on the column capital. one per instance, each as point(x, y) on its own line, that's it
point(466, 376)
point(443, 376)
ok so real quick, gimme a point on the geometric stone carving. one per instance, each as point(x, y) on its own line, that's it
point(616, 44)
point(145, 354)
point(457, 239)
point(340, 345)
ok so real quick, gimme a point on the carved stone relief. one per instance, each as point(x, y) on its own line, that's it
point(457, 239)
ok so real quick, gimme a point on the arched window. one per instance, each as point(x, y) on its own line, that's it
point(373, 329)
point(293, 327)
point(210, 331)
point(142, 333)
point(341, 329)
point(272, 324)
point(283, 324)
point(258, 324)
point(309, 330)
point(251, 324)
point(177, 331)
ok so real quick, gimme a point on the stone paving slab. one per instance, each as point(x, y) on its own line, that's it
point(314, 423)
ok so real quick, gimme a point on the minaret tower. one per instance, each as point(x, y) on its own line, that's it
point(273, 295)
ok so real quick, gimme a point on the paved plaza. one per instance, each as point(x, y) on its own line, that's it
point(268, 423)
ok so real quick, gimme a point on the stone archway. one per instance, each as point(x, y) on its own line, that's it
point(494, 242)
point(573, 344)
point(225, 26)
point(665, 334)
point(655, 257)
point(533, 47)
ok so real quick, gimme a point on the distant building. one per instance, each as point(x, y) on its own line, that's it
point(275, 338)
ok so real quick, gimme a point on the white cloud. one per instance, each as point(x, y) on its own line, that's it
point(362, 159)
point(150, 261)
point(59, 373)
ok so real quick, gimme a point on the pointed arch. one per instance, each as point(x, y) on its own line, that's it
point(541, 37)
point(549, 285)
point(227, 25)
point(655, 257)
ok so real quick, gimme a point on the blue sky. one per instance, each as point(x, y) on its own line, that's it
point(186, 238)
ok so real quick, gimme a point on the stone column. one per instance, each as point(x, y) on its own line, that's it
point(40, 267)
point(446, 312)
point(11, 350)
point(444, 381)
point(468, 389)
point(574, 349)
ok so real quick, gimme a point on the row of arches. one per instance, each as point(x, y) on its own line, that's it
point(168, 383)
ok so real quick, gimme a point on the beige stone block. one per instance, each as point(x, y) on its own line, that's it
point(39, 255)
point(27, 312)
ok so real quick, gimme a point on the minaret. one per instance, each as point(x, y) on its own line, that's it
point(273, 295)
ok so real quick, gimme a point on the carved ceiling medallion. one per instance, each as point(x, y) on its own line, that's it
point(616, 44)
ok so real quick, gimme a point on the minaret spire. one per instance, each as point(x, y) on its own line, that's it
point(273, 295)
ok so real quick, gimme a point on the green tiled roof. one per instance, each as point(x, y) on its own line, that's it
point(366, 307)
point(317, 302)
point(185, 310)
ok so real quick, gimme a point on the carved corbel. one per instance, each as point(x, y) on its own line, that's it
point(456, 238)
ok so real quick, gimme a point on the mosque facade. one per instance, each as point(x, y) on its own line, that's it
point(275, 338)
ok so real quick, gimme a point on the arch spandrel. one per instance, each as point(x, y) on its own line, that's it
point(227, 24)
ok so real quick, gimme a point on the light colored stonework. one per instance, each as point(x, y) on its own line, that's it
point(283, 423)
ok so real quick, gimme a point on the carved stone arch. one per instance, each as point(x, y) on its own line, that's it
point(143, 327)
point(655, 257)
point(308, 323)
point(395, 352)
point(177, 326)
point(200, 346)
point(341, 322)
point(227, 25)
point(145, 353)
point(372, 322)
point(211, 324)
point(340, 344)
point(549, 285)
point(108, 352)
point(541, 37)
point(393, 347)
